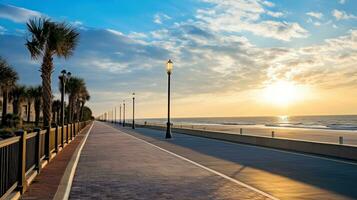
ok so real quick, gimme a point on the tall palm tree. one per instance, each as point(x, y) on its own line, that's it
point(30, 97)
point(18, 96)
point(73, 89)
point(37, 103)
point(56, 108)
point(8, 78)
point(84, 97)
point(48, 39)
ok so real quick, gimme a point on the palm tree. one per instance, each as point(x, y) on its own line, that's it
point(49, 38)
point(30, 96)
point(8, 78)
point(18, 95)
point(83, 98)
point(56, 107)
point(73, 88)
point(37, 103)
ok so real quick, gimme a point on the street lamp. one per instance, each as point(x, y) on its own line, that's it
point(123, 113)
point(63, 78)
point(120, 114)
point(133, 124)
point(169, 67)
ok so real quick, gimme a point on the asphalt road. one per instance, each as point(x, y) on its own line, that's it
point(282, 174)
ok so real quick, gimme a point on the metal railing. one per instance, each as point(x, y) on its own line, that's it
point(25, 153)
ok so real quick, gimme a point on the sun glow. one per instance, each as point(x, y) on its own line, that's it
point(283, 93)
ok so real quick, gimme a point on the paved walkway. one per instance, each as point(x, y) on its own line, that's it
point(283, 174)
point(115, 165)
point(46, 183)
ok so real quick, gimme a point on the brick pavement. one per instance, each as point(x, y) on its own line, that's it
point(114, 165)
point(46, 183)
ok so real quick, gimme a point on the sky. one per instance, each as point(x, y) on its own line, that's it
point(231, 57)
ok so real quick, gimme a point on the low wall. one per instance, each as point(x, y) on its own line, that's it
point(324, 149)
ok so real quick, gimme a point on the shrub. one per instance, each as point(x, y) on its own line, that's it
point(6, 133)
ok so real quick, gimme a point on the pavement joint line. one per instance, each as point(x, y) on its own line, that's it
point(65, 194)
point(202, 166)
point(283, 151)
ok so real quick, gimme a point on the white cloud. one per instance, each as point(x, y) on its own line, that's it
point(339, 15)
point(268, 3)
point(2, 30)
point(17, 14)
point(275, 14)
point(159, 18)
point(317, 15)
point(245, 15)
point(137, 35)
point(342, 1)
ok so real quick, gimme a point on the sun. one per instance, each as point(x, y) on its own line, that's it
point(283, 93)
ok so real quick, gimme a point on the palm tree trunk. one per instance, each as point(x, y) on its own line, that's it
point(77, 110)
point(82, 106)
point(54, 116)
point(37, 112)
point(15, 107)
point(58, 116)
point(20, 115)
point(4, 106)
point(29, 111)
point(46, 69)
point(69, 109)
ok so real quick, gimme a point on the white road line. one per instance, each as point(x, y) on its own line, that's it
point(74, 167)
point(203, 167)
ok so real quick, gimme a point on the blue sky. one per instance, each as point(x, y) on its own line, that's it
point(219, 47)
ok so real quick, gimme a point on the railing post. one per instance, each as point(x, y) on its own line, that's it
point(56, 140)
point(47, 143)
point(74, 129)
point(70, 132)
point(67, 133)
point(21, 181)
point(341, 140)
point(241, 131)
point(272, 134)
point(37, 150)
point(62, 136)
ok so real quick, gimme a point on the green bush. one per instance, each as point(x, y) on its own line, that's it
point(11, 120)
point(6, 133)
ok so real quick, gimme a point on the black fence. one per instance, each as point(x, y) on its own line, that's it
point(24, 154)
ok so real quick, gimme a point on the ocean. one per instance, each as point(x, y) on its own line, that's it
point(331, 122)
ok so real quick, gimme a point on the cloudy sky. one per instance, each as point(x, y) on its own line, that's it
point(231, 57)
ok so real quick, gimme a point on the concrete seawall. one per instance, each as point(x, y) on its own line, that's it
point(324, 149)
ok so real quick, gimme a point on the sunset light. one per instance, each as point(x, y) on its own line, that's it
point(178, 99)
point(283, 93)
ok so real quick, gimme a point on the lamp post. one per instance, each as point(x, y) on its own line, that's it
point(123, 113)
point(133, 124)
point(120, 114)
point(115, 115)
point(169, 66)
point(63, 78)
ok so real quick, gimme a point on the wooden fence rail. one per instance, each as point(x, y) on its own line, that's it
point(23, 156)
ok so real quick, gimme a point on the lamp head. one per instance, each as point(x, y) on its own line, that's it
point(169, 66)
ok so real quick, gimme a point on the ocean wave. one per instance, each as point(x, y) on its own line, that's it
point(315, 126)
point(236, 123)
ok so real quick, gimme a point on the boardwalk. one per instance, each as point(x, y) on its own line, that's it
point(115, 165)
point(124, 164)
